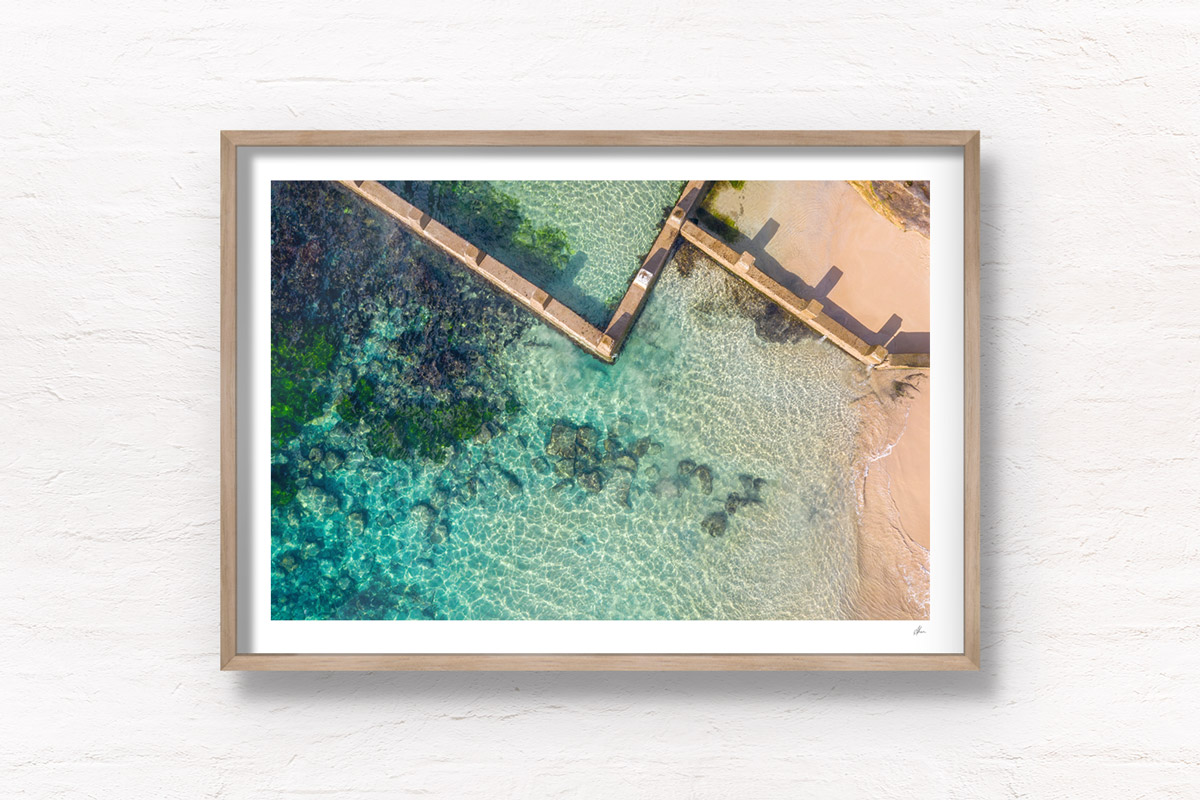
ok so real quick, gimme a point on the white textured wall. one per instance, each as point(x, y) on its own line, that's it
point(108, 434)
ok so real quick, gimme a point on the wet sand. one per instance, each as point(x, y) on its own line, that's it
point(892, 484)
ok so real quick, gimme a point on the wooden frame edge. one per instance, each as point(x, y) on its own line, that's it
point(597, 138)
point(596, 662)
point(971, 399)
point(228, 290)
point(231, 659)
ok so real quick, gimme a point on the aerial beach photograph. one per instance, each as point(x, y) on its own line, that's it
point(600, 400)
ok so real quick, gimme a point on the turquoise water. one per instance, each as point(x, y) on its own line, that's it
point(611, 225)
point(608, 227)
point(500, 528)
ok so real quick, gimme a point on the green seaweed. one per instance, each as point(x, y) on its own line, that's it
point(483, 214)
point(356, 403)
point(410, 428)
point(721, 226)
point(300, 357)
point(739, 185)
point(283, 486)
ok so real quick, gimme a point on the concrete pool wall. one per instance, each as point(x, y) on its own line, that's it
point(811, 312)
point(601, 344)
point(606, 344)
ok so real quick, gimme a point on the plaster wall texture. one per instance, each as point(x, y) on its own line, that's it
point(108, 436)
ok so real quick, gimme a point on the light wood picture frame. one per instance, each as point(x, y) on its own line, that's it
point(238, 148)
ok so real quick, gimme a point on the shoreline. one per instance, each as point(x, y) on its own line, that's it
point(891, 477)
point(822, 238)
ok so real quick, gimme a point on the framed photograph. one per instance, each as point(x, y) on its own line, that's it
point(599, 400)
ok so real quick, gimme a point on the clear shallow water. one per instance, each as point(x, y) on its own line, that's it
point(704, 386)
point(611, 225)
point(495, 533)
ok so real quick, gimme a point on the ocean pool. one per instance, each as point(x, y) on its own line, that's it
point(608, 227)
point(705, 475)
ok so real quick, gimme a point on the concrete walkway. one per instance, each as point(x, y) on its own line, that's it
point(811, 312)
point(606, 344)
point(537, 300)
point(660, 253)
point(602, 344)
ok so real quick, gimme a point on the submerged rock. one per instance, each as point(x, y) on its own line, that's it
point(642, 446)
point(562, 441)
point(355, 524)
point(735, 502)
point(652, 472)
point(584, 459)
point(485, 434)
point(591, 481)
point(686, 467)
point(558, 487)
point(565, 468)
point(372, 477)
point(752, 486)
point(587, 437)
point(422, 513)
point(778, 326)
point(626, 463)
point(439, 533)
point(333, 460)
point(714, 524)
point(315, 500)
point(621, 485)
point(509, 482)
point(704, 475)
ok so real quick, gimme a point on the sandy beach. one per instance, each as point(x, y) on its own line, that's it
point(821, 239)
point(892, 484)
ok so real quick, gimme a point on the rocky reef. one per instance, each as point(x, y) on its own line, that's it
point(395, 420)
point(340, 274)
point(905, 203)
point(380, 348)
point(580, 455)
